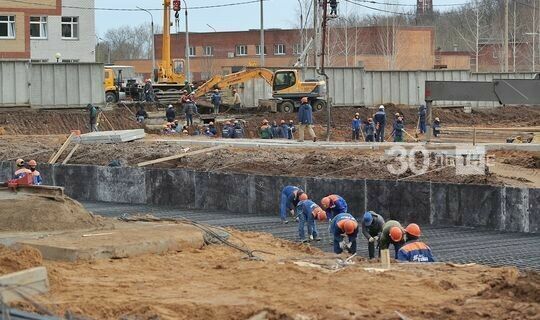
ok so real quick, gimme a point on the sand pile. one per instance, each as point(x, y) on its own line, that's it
point(13, 260)
point(23, 212)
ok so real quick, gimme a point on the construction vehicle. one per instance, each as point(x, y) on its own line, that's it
point(287, 88)
point(116, 85)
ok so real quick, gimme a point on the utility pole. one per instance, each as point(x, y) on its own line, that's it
point(514, 41)
point(534, 37)
point(506, 35)
point(322, 72)
point(301, 26)
point(261, 50)
point(315, 34)
point(153, 47)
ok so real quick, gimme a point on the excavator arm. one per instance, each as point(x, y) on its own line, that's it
point(222, 82)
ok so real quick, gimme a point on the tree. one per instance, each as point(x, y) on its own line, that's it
point(126, 43)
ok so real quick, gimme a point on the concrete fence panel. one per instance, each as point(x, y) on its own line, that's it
point(170, 187)
point(534, 210)
point(14, 84)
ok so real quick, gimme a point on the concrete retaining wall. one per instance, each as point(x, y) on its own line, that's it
point(493, 207)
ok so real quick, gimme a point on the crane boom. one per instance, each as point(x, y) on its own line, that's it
point(221, 82)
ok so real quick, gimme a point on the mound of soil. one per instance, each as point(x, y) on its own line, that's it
point(23, 212)
point(13, 260)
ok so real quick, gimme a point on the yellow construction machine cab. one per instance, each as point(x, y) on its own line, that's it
point(109, 86)
point(288, 86)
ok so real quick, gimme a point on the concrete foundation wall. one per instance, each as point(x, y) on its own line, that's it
point(492, 207)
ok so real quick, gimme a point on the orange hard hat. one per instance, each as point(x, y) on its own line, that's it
point(32, 163)
point(325, 202)
point(19, 162)
point(413, 229)
point(349, 226)
point(319, 213)
point(396, 234)
point(303, 196)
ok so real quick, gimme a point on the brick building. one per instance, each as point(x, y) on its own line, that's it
point(38, 30)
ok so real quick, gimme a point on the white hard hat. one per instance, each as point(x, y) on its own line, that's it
point(170, 106)
point(381, 107)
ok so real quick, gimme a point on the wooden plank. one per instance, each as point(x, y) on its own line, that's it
point(107, 119)
point(178, 156)
point(70, 154)
point(385, 259)
point(57, 155)
point(512, 129)
point(27, 283)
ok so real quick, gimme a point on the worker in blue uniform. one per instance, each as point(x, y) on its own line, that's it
point(308, 211)
point(344, 225)
point(290, 196)
point(415, 250)
point(334, 205)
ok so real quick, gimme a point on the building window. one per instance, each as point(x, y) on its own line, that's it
point(7, 27)
point(192, 51)
point(38, 27)
point(208, 51)
point(279, 49)
point(258, 50)
point(70, 27)
point(241, 50)
point(297, 49)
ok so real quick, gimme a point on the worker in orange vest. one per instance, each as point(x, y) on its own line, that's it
point(344, 224)
point(21, 169)
point(35, 174)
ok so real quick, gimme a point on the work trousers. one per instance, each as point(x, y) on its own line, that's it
point(398, 138)
point(311, 227)
point(301, 128)
point(370, 138)
point(93, 126)
point(189, 119)
point(356, 134)
point(422, 126)
point(216, 108)
point(380, 133)
point(283, 208)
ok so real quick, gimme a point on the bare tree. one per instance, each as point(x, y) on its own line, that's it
point(126, 43)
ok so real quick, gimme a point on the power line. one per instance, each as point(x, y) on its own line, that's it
point(132, 9)
point(380, 10)
point(410, 5)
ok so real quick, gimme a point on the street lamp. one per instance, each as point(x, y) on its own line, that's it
point(153, 47)
point(58, 56)
point(188, 76)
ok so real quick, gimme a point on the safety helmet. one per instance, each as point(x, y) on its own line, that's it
point(319, 214)
point(397, 114)
point(32, 163)
point(436, 118)
point(282, 121)
point(304, 100)
point(170, 106)
point(396, 234)
point(291, 121)
point(265, 121)
point(19, 162)
point(211, 123)
point(413, 229)
point(216, 90)
point(349, 226)
point(381, 107)
point(357, 114)
point(368, 218)
point(302, 196)
point(325, 202)
point(228, 123)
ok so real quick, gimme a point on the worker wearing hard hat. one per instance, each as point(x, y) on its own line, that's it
point(35, 174)
point(415, 250)
point(290, 196)
point(392, 233)
point(305, 120)
point(265, 131)
point(308, 211)
point(344, 225)
point(356, 127)
point(216, 100)
point(334, 205)
point(21, 170)
point(372, 227)
point(227, 130)
point(380, 122)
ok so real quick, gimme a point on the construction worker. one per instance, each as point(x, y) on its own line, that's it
point(227, 130)
point(305, 119)
point(276, 130)
point(212, 129)
point(284, 129)
point(35, 174)
point(291, 131)
point(344, 224)
point(334, 205)
point(333, 7)
point(436, 127)
point(380, 122)
point(238, 130)
point(93, 110)
point(415, 250)
point(265, 131)
point(308, 211)
point(369, 129)
point(190, 108)
point(141, 114)
point(170, 114)
point(422, 112)
point(148, 91)
point(398, 130)
point(216, 100)
point(392, 233)
point(237, 102)
point(356, 127)
point(290, 196)
point(372, 227)
point(21, 169)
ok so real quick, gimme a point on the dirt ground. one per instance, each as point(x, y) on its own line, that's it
point(292, 282)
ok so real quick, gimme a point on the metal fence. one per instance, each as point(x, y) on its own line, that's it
point(50, 85)
point(358, 87)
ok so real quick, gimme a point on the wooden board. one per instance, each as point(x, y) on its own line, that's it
point(57, 155)
point(178, 156)
point(70, 154)
point(385, 259)
point(27, 283)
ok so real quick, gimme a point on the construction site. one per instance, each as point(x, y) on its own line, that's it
point(174, 198)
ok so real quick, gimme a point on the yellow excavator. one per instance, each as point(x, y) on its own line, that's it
point(287, 88)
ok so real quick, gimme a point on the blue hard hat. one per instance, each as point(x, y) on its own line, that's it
point(368, 218)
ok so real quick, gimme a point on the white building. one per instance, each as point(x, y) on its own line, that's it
point(72, 35)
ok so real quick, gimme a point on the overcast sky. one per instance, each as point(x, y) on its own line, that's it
point(278, 13)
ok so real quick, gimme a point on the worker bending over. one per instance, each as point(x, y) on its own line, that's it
point(334, 205)
point(309, 211)
point(290, 196)
point(372, 227)
point(415, 250)
point(344, 224)
point(22, 170)
point(392, 233)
